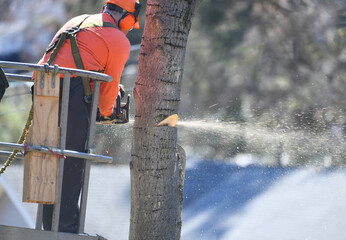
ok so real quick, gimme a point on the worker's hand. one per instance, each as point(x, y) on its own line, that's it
point(120, 113)
point(115, 117)
point(107, 120)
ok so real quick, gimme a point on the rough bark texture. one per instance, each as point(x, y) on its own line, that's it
point(158, 163)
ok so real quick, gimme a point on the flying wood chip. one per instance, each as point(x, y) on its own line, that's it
point(170, 121)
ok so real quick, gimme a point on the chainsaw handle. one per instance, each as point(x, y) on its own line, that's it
point(121, 112)
point(118, 106)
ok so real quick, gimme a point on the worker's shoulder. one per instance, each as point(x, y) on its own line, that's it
point(109, 33)
point(116, 39)
point(105, 26)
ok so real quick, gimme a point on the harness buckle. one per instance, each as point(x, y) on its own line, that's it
point(72, 31)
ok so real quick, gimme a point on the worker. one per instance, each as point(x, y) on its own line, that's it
point(99, 43)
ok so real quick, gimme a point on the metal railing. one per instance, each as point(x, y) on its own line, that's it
point(90, 156)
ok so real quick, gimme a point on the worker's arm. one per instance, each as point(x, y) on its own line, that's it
point(117, 57)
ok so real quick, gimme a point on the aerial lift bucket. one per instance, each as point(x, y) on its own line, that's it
point(45, 146)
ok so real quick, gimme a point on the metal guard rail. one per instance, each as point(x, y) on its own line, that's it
point(34, 67)
point(67, 72)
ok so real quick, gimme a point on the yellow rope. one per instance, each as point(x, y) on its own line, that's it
point(20, 141)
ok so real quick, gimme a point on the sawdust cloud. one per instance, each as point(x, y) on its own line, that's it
point(224, 140)
point(217, 140)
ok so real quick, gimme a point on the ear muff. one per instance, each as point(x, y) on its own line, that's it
point(128, 20)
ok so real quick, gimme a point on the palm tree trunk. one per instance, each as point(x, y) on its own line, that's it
point(157, 162)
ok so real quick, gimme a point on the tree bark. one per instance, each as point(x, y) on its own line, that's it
point(157, 162)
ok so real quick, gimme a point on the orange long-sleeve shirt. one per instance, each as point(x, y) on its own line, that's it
point(102, 49)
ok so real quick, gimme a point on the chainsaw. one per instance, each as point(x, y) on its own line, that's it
point(121, 110)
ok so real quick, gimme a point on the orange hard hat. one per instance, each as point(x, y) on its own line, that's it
point(131, 6)
point(128, 5)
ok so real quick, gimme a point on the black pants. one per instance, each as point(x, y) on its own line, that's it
point(77, 130)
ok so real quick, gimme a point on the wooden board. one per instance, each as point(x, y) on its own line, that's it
point(45, 124)
point(41, 169)
point(47, 90)
point(40, 178)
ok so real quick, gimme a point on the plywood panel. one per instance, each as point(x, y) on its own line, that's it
point(40, 178)
point(41, 169)
point(45, 124)
point(47, 89)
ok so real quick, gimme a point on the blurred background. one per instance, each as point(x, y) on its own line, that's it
point(262, 111)
point(261, 77)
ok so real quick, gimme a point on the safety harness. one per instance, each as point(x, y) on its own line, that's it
point(71, 34)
